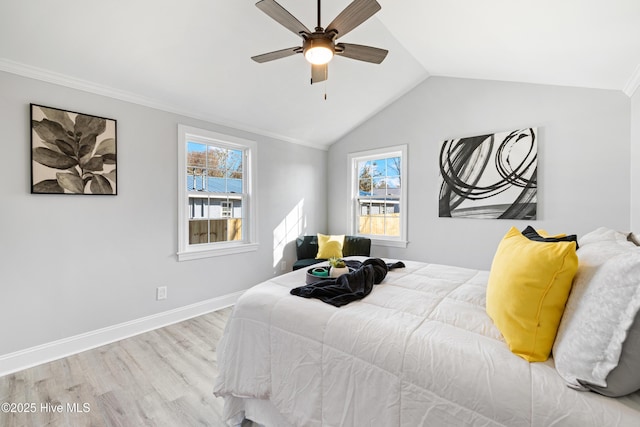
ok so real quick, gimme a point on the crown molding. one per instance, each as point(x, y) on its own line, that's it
point(633, 83)
point(49, 76)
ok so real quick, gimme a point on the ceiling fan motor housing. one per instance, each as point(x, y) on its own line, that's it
point(318, 47)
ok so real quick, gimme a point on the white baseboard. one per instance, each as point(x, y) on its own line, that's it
point(27, 358)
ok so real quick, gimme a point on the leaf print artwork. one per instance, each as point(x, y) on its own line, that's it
point(72, 153)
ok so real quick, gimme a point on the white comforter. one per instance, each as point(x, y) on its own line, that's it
point(418, 351)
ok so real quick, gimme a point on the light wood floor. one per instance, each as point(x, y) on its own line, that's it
point(159, 378)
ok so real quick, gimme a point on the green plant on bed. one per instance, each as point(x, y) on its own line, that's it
point(338, 267)
point(337, 262)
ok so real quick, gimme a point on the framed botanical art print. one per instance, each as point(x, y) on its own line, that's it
point(72, 153)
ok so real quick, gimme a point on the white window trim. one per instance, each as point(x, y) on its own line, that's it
point(353, 158)
point(249, 243)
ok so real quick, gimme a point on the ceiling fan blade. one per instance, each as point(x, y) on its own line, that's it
point(282, 16)
point(353, 15)
point(319, 73)
point(361, 53)
point(266, 57)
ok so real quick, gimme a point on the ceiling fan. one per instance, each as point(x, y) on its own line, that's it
point(320, 46)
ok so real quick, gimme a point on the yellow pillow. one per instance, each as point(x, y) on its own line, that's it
point(528, 287)
point(330, 246)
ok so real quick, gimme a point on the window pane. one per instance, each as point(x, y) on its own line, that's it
point(234, 229)
point(198, 232)
point(392, 219)
point(234, 164)
point(216, 172)
point(393, 181)
point(365, 186)
point(224, 230)
point(393, 166)
point(376, 221)
point(195, 180)
point(364, 212)
point(218, 230)
point(364, 168)
point(234, 186)
point(196, 154)
point(198, 208)
point(216, 184)
point(224, 207)
point(216, 158)
point(364, 224)
point(379, 184)
point(379, 167)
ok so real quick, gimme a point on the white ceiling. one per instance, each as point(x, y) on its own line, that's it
point(193, 56)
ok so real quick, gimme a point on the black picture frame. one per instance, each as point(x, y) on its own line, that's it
point(72, 153)
point(490, 176)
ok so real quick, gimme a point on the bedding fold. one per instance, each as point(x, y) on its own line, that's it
point(349, 287)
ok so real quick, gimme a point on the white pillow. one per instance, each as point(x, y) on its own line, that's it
point(601, 309)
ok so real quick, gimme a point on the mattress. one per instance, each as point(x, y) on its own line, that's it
point(419, 350)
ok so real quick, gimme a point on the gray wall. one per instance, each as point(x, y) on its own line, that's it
point(635, 163)
point(72, 264)
point(583, 161)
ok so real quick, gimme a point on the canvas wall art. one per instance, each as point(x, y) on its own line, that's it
point(490, 176)
point(72, 153)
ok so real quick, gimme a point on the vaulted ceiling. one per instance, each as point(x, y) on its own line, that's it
point(193, 56)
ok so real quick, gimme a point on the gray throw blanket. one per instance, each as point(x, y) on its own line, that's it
point(348, 287)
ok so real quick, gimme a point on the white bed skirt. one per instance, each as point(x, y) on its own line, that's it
point(259, 411)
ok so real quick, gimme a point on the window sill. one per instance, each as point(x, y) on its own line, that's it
point(389, 243)
point(214, 252)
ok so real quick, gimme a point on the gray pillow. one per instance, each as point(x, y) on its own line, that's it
point(625, 378)
point(601, 315)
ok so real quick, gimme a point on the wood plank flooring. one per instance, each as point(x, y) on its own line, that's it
point(159, 378)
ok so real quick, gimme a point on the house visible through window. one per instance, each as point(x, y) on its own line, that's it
point(214, 179)
point(216, 191)
point(227, 209)
point(378, 196)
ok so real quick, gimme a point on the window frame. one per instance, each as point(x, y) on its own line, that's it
point(354, 206)
point(249, 242)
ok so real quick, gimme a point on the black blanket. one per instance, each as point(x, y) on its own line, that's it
point(348, 287)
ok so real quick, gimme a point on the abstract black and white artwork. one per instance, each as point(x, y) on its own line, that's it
point(490, 176)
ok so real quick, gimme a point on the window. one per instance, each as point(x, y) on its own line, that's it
point(216, 215)
point(378, 195)
point(227, 209)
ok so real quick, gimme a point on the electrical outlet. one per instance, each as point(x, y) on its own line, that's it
point(161, 293)
point(283, 265)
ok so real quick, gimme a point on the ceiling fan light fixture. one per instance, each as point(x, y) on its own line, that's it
point(318, 51)
point(320, 46)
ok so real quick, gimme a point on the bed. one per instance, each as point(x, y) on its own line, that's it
point(419, 350)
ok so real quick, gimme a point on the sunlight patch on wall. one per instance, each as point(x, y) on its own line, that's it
point(288, 230)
